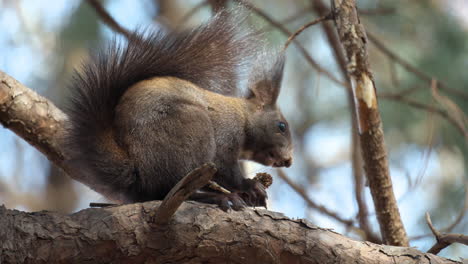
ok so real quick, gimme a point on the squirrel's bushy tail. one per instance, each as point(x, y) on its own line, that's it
point(208, 56)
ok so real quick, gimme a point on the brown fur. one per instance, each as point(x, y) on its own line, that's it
point(146, 114)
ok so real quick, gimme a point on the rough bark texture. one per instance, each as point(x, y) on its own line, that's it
point(356, 160)
point(32, 117)
point(196, 234)
point(354, 39)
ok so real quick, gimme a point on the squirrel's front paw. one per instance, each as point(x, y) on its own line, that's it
point(254, 193)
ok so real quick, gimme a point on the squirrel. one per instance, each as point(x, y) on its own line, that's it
point(146, 112)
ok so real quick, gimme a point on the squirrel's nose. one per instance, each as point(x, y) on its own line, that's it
point(284, 163)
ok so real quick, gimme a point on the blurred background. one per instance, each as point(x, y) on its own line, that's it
point(41, 42)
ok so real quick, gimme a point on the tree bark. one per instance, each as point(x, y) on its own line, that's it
point(198, 233)
point(32, 117)
point(354, 39)
point(356, 158)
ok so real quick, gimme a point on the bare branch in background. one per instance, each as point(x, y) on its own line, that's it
point(453, 110)
point(299, 31)
point(287, 33)
point(353, 38)
point(310, 203)
point(425, 107)
point(457, 220)
point(287, 20)
point(107, 18)
point(444, 240)
point(421, 75)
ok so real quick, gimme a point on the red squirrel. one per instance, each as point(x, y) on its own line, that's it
point(146, 112)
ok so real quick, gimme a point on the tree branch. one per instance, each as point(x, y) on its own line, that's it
point(107, 18)
point(444, 240)
point(32, 117)
point(311, 23)
point(405, 64)
point(356, 159)
point(353, 39)
point(196, 234)
point(299, 190)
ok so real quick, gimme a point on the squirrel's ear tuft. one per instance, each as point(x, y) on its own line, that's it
point(265, 83)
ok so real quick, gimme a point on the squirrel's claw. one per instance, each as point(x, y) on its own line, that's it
point(254, 193)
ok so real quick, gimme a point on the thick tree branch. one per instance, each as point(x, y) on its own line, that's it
point(196, 234)
point(356, 159)
point(353, 39)
point(32, 117)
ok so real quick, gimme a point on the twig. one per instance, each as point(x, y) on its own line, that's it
point(453, 110)
point(429, 108)
point(393, 74)
point(286, 32)
point(215, 186)
point(426, 154)
point(287, 20)
point(310, 203)
point(181, 191)
point(462, 212)
point(299, 31)
point(460, 216)
point(108, 19)
point(421, 75)
point(444, 240)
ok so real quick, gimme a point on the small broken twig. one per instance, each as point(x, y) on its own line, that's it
point(444, 240)
point(215, 186)
point(299, 31)
point(181, 191)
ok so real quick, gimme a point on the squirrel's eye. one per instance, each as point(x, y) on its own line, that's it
point(282, 126)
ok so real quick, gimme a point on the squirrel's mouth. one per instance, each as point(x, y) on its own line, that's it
point(283, 163)
point(272, 159)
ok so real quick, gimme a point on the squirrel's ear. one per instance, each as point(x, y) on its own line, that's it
point(265, 86)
